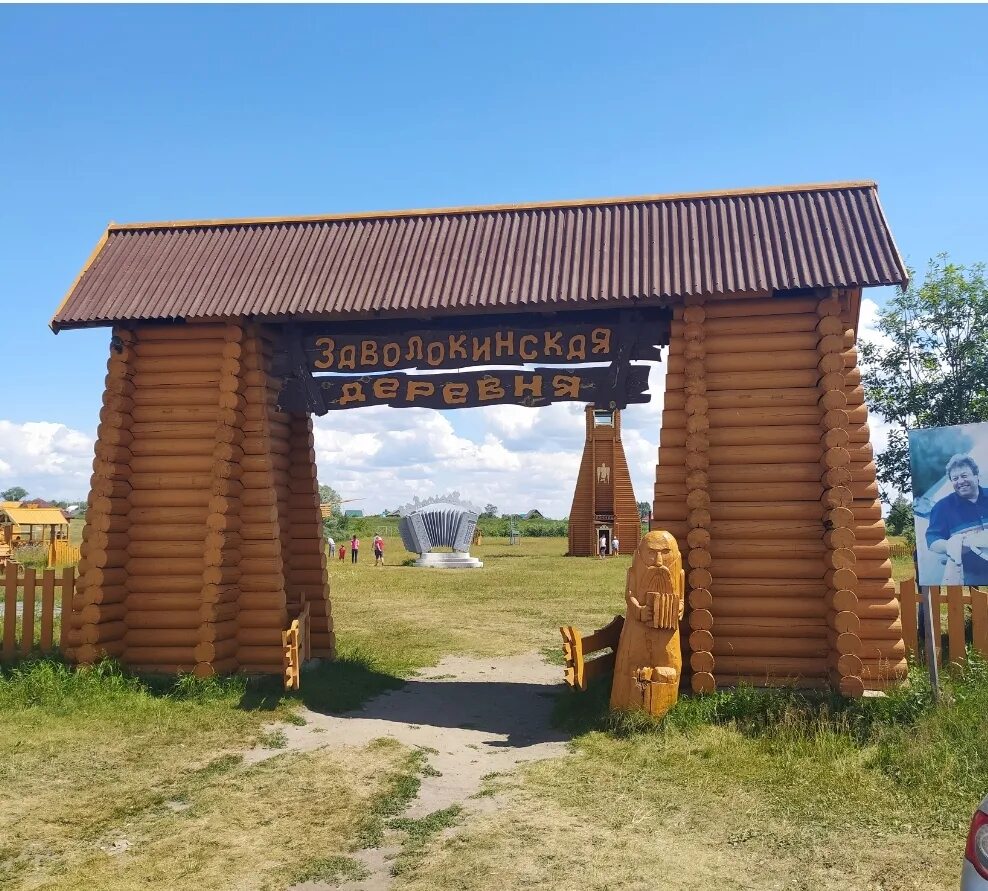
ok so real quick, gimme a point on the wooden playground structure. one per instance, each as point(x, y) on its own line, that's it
point(203, 541)
point(42, 528)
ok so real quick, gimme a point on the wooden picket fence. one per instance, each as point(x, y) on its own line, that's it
point(900, 549)
point(966, 607)
point(63, 554)
point(29, 606)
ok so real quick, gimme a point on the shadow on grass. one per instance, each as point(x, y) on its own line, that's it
point(756, 712)
point(49, 681)
point(345, 684)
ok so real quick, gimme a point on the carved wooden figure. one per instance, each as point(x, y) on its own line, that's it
point(649, 660)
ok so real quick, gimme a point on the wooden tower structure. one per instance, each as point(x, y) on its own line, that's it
point(604, 500)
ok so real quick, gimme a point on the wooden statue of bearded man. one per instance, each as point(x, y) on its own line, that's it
point(649, 660)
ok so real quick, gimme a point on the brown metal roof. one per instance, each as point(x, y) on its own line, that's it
point(539, 257)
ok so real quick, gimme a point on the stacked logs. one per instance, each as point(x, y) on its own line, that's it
point(763, 481)
point(883, 652)
point(182, 473)
point(263, 599)
point(838, 519)
point(307, 578)
point(200, 489)
point(698, 557)
point(216, 650)
point(99, 607)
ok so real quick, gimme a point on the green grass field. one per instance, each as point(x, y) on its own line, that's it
point(115, 782)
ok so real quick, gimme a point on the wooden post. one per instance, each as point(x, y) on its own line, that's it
point(27, 611)
point(10, 612)
point(47, 609)
point(932, 638)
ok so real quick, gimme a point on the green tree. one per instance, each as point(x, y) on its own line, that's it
point(329, 495)
point(643, 509)
point(14, 493)
point(490, 511)
point(900, 519)
point(931, 367)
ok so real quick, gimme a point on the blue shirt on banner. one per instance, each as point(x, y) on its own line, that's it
point(953, 515)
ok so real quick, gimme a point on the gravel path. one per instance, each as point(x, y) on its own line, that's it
point(481, 716)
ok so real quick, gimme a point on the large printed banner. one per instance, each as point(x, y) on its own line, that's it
point(950, 503)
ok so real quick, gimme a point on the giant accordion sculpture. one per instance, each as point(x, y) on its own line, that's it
point(440, 526)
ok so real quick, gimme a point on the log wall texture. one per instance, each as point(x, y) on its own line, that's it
point(765, 476)
point(203, 534)
point(592, 497)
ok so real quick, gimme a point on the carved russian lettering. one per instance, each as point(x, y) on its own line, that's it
point(456, 394)
point(368, 353)
point(386, 388)
point(391, 354)
point(531, 387)
point(352, 392)
point(528, 353)
point(489, 388)
point(481, 349)
point(327, 344)
point(577, 347)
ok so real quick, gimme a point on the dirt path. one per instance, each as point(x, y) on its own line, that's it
point(473, 717)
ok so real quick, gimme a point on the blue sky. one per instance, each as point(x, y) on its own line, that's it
point(183, 112)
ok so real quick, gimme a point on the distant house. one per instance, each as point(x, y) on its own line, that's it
point(534, 515)
point(353, 513)
point(37, 502)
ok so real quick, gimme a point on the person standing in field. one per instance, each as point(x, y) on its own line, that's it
point(354, 548)
point(378, 550)
point(615, 546)
point(332, 546)
point(602, 549)
point(342, 552)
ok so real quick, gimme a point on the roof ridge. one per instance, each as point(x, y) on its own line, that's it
point(490, 208)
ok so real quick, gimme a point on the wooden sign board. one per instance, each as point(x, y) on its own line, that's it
point(352, 366)
point(513, 340)
point(470, 389)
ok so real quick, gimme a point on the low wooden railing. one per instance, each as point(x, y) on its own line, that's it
point(580, 670)
point(298, 648)
point(961, 604)
point(30, 605)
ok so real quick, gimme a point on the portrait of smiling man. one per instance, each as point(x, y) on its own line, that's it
point(958, 527)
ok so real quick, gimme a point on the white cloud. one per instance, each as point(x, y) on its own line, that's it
point(48, 459)
point(517, 458)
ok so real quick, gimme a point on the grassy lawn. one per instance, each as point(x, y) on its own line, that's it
point(115, 782)
point(409, 617)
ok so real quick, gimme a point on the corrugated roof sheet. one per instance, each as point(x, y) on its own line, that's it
point(545, 257)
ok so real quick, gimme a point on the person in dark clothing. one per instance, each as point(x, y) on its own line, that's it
point(959, 525)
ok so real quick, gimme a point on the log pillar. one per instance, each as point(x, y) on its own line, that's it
point(96, 626)
point(307, 577)
point(203, 512)
point(759, 433)
point(838, 520)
